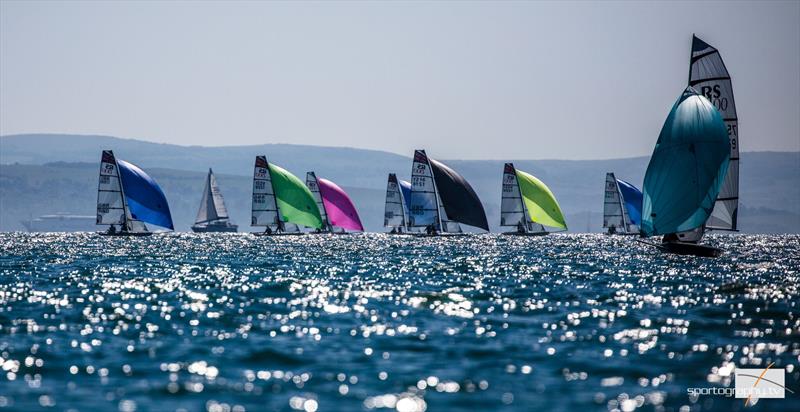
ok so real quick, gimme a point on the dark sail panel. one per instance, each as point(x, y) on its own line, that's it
point(460, 201)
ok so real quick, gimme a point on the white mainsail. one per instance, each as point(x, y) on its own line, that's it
point(212, 205)
point(110, 200)
point(395, 211)
point(313, 186)
point(264, 206)
point(709, 76)
point(614, 215)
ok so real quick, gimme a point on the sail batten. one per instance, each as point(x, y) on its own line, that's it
point(709, 76)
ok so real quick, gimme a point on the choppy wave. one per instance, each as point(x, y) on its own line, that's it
point(377, 322)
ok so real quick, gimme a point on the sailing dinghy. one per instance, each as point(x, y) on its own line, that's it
point(281, 202)
point(337, 211)
point(212, 215)
point(128, 197)
point(622, 207)
point(441, 198)
point(685, 174)
point(528, 204)
point(396, 213)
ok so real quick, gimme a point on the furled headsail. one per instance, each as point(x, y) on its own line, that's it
point(339, 207)
point(687, 168)
point(396, 210)
point(212, 205)
point(442, 198)
point(280, 198)
point(709, 76)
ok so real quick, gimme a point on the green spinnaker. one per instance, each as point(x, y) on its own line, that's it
point(295, 201)
point(540, 202)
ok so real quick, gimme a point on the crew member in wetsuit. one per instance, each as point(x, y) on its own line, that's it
point(520, 228)
point(112, 230)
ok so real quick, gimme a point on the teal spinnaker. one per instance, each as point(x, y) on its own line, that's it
point(687, 167)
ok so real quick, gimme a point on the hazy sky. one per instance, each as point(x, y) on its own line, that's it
point(465, 80)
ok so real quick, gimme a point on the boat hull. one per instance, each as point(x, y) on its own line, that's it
point(215, 229)
point(692, 249)
point(125, 234)
point(526, 233)
point(278, 234)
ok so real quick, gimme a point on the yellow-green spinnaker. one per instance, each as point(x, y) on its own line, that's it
point(540, 202)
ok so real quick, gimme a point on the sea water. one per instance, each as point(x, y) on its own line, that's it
point(376, 322)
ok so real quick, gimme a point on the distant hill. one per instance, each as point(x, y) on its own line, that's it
point(41, 174)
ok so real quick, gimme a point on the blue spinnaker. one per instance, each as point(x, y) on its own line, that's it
point(405, 187)
point(632, 198)
point(146, 201)
point(687, 168)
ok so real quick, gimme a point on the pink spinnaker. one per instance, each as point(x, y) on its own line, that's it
point(340, 209)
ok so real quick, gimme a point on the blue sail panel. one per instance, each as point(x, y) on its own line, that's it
point(405, 188)
point(632, 198)
point(687, 167)
point(146, 201)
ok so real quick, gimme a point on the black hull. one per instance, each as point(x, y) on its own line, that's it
point(331, 233)
point(125, 234)
point(438, 234)
point(692, 249)
point(526, 233)
point(278, 234)
point(215, 229)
